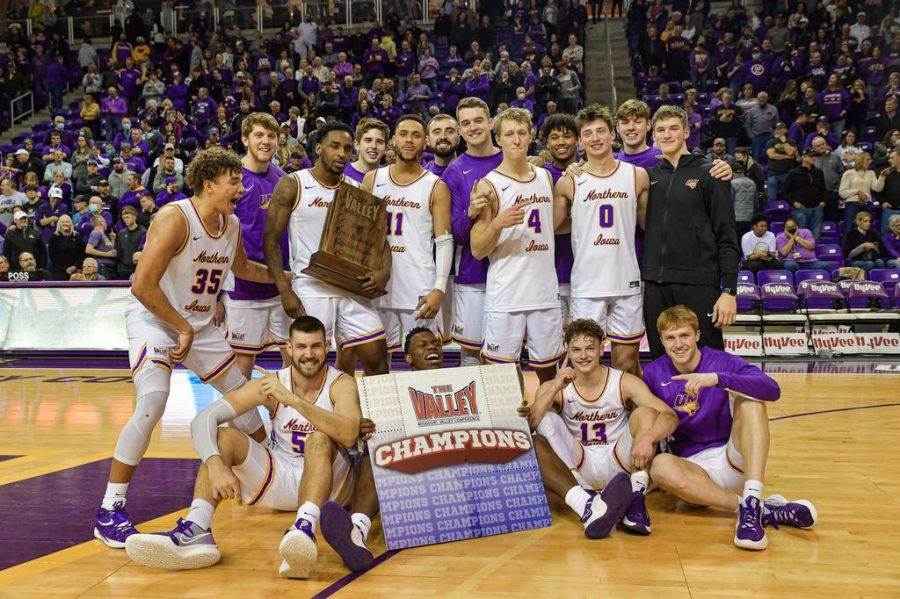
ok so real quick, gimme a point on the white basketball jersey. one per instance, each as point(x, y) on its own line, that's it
point(604, 216)
point(195, 274)
point(522, 273)
point(289, 428)
point(411, 236)
point(305, 231)
point(600, 420)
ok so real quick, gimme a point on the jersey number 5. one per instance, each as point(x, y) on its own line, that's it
point(207, 281)
point(298, 440)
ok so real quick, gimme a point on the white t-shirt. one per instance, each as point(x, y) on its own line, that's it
point(750, 243)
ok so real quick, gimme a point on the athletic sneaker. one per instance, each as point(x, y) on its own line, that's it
point(637, 519)
point(799, 514)
point(603, 511)
point(114, 526)
point(298, 550)
point(185, 547)
point(345, 537)
point(749, 533)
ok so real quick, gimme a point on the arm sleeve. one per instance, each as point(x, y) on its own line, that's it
point(443, 261)
point(205, 426)
point(746, 379)
point(721, 216)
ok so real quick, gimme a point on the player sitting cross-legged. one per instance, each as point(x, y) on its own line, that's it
point(597, 427)
point(315, 416)
point(720, 448)
point(347, 533)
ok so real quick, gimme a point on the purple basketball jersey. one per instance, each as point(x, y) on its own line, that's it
point(564, 257)
point(646, 159)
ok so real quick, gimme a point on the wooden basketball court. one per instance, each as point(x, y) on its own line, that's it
point(834, 442)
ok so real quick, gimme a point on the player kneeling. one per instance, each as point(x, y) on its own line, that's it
point(347, 533)
point(596, 426)
point(722, 441)
point(315, 416)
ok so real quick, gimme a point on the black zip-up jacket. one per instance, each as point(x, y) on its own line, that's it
point(691, 236)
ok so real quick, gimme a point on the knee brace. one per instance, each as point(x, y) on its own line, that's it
point(135, 437)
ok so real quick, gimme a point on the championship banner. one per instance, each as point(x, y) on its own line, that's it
point(452, 458)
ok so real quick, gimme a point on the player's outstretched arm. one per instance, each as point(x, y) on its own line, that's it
point(205, 425)
point(636, 393)
point(342, 425)
point(283, 198)
point(563, 193)
point(167, 235)
point(642, 187)
point(737, 375)
point(248, 269)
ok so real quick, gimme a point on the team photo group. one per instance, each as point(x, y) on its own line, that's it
point(513, 241)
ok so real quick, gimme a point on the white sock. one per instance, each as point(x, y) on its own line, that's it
point(363, 522)
point(752, 488)
point(201, 513)
point(468, 359)
point(639, 481)
point(577, 499)
point(309, 511)
point(115, 495)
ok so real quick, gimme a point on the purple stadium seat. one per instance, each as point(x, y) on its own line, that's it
point(776, 227)
point(778, 210)
point(829, 233)
point(817, 294)
point(775, 276)
point(830, 253)
point(746, 276)
point(868, 295)
point(811, 275)
point(747, 297)
point(42, 126)
point(778, 297)
point(897, 296)
point(888, 277)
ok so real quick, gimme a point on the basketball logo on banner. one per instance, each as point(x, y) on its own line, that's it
point(452, 459)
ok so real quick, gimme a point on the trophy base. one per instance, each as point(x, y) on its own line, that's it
point(340, 273)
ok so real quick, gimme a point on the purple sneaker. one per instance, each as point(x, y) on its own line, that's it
point(604, 510)
point(185, 547)
point(749, 533)
point(637, 519)
point(799, 514)
point(113, 527)
point(298, 550)
point(344, 537)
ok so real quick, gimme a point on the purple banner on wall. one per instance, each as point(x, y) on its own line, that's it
point(452, 458)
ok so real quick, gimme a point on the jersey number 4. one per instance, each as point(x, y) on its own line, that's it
point(207, 281)
point(534, 220)
point(593, 433)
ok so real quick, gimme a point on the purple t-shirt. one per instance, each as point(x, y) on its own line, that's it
point(102, 243)
point(437, 169)
point(354, 174)
point(564, 257)
point(798, 252)
point(460, 177)
point(251, 210)
point(705, 421)
point(646, 159)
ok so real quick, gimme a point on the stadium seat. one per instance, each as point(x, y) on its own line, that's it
point(888, 277)
point(830, 253)
point(776, 227)
point(747, 277)
point(775, 276)
point(867, 295)
point(778, 297)
point(778, 210)
point(829, 232)
point(816, 294)
point(747, 297)
point(811, 275)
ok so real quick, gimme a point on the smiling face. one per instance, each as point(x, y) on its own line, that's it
point(443, 136)
point(307, 352)
point(370, 148)
point(425, 351)
point(475, 125)
point(584, 353)
point(597, 138)
point(633, 131)
point(670, 135)
point(681, 345)
point(562, 144)
point(409, 140)
point(261, 143)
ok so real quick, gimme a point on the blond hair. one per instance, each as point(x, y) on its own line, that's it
point(666, 112)
point(516, 115)
point(263, 119)
point(369, 123)
point(633, 109)
point(677, 317)
point(472, 102)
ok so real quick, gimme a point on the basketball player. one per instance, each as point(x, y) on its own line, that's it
point(443, 139)
point(256, 319)
point(418, 220)
point(480, 158)
point(370, 141)
point(347, 533)
point(603, 425)
point(719, 451)
point(300, 205)
point(559, 134)
point(315, 415)
point(602, 203)
point(512, 210)
point(192, 246)
point(633, 124)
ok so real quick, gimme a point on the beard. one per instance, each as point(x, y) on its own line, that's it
point(308, 368)
point(450, 151)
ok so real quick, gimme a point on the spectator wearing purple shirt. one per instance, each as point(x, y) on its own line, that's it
point(169, 193)
point(872, 70)
point(343, 68)
point(127, 79)
point(406, 64)
point(418, 95)
point(375, 59)
point(48, 213)
point(718, 452)
point(203, 109)
point(56, 81)
point(835, 102)
point(522, 101)
point(38, 68)
point(102, 247)
point(428, 69)
point(452, 91)
point(890, 242)
point(132, 197)
point(388, 113)
point(795, 248)
point(112, 109)
point(478, 84)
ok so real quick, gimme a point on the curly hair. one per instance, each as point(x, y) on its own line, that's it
point(584, 327)
point(210, 164)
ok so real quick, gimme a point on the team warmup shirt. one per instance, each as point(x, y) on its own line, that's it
point(251, 210)
point(437, 169)
point(705, 421)
point(563, 258)
point(460, 177)
point(350, 171)
point(646, 159)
